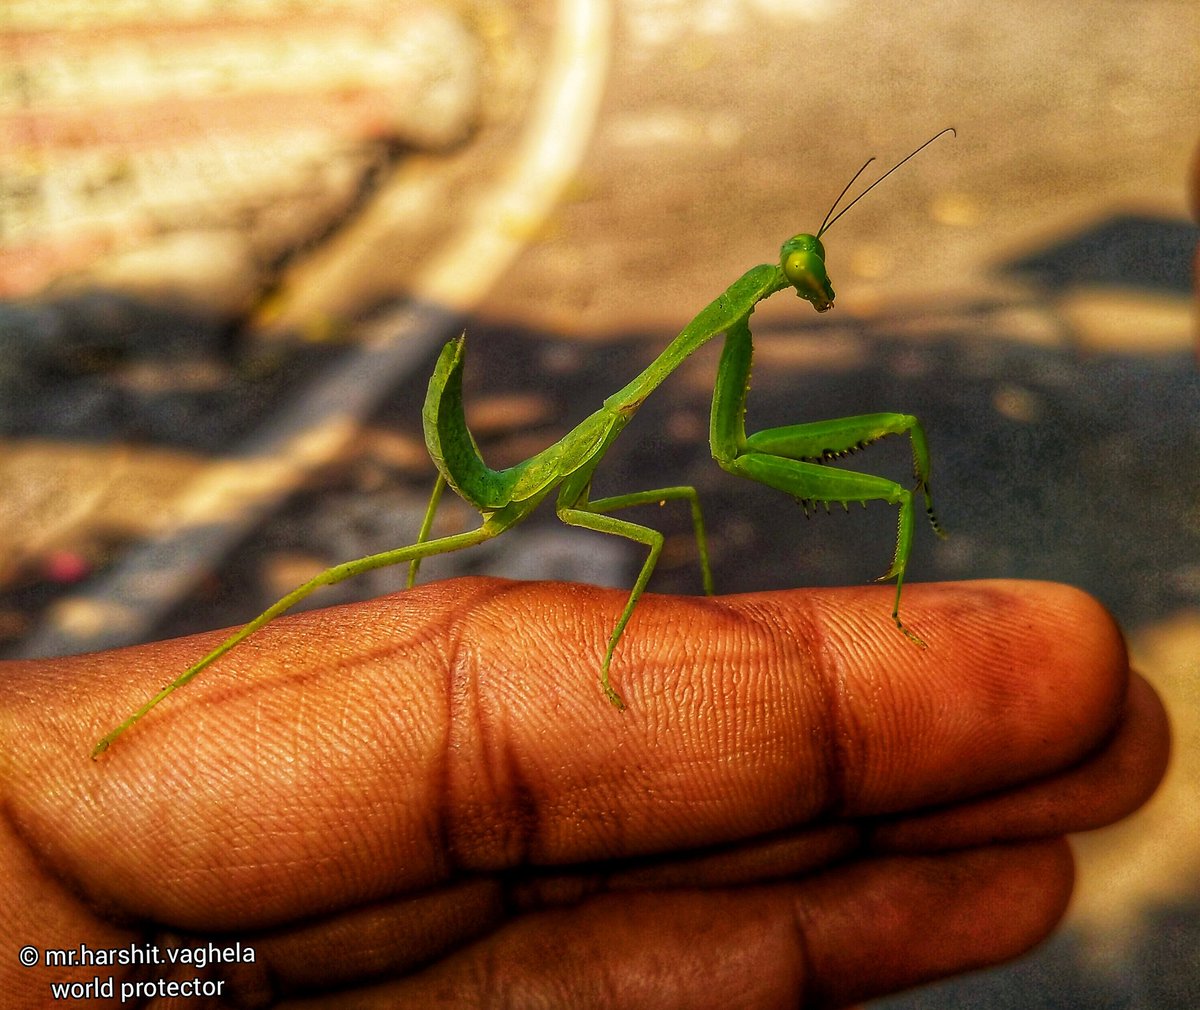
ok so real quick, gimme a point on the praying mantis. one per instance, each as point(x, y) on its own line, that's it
point(794, 458)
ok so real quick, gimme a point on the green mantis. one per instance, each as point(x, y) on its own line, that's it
point(794, 458)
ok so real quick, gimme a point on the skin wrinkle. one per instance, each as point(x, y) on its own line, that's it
point(763, 620)
point(872, 702)
point(42, 858)
point(711, 867)
point(444, 850)
point(502, 815)
point(521, 821)
point(821, 681)
point(607, 828)
point(801, 926)
point(458, 834)
point(737, 721)
point(665, 656)
point(378, 938)
point(774, 856)
point(829, 679)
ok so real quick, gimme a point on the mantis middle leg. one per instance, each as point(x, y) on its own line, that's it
point(577, 510)
point(793, 458)
point(435, 498)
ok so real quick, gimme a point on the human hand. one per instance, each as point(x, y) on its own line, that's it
point(425, 799)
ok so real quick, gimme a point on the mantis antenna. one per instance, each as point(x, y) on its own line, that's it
point(827, 223)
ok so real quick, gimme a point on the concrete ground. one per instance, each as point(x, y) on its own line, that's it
point(228, 265)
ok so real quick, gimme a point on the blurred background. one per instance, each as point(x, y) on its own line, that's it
point(234, 234)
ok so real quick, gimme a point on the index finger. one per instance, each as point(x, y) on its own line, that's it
point(347, 754)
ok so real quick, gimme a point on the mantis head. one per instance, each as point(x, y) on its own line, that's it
point(803, 260)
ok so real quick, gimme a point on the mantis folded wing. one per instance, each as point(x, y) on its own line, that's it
point(793, 458)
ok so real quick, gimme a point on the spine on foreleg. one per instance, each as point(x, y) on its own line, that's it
point(451, 444)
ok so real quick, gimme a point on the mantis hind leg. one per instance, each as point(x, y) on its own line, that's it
point(329, 577)
point(593, 516)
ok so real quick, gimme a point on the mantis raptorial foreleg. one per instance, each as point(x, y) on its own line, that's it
point(792, 458)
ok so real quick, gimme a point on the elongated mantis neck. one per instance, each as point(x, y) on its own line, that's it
point(735, 304)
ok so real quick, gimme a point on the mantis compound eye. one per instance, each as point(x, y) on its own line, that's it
point(803, 262)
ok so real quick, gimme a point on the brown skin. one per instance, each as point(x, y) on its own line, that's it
point(424, 800)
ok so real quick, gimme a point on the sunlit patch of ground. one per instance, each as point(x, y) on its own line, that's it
point(1153, 858)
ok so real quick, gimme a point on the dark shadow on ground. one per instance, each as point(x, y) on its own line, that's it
point(100, 366)
point(1124, 251)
